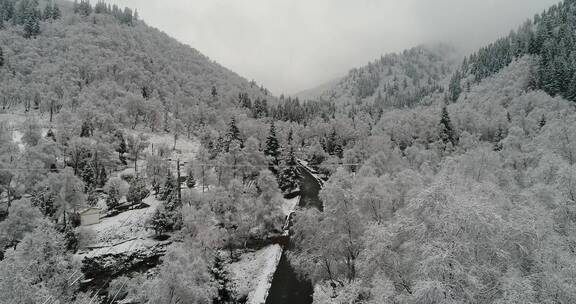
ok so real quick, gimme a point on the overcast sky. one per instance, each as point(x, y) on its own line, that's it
point(293, 45)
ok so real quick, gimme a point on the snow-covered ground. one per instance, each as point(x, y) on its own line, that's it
point(13, 119)
point(252, 275)
point(186, 149)
point(290, 205)
point(129, 246)
point(126, 226)
point(17, 139)
point(311, 170)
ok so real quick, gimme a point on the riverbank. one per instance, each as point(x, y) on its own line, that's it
point(287, 287)
point(253, 273)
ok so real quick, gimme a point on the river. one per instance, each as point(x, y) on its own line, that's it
point(287, 286)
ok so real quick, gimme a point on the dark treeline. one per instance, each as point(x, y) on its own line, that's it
point(550, 35)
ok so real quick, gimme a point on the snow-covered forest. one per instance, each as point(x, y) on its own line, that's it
point(134, 169)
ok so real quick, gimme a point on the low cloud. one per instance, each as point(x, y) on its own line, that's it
point(292, 45)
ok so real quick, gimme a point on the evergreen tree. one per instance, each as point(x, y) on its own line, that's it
point(571, 94)
point(233, 131)
point(498, 137)
point(48, 12)
point(92, 198)
point(232, 135)
point(289, 178)
point(101, 8)
point(56, 13)
point(454, 87)
point(244, 100)
point(31, 24)
point(214, 93)
point(160, 221)
point(121, 147)
point(169, 190)
point(272, 150)
point(50, 135)
point(333, 146)
point(102, 177)
point(137, 191)
point(542, 121)
point(1, 57)
point(113, 199)
point(84, 8)
point(190, 180)
point(88, 174)
point(86, 129)
point(447, 132)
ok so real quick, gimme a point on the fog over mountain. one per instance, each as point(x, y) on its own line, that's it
point(294, 45)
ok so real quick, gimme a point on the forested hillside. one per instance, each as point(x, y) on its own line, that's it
point(396, 80)
point(550, 35)
point(105, 60)
point(434, 191)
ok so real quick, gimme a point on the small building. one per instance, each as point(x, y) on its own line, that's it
point(90, 216)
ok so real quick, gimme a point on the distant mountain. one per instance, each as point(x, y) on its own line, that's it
point(316, 92)
point(394, 80)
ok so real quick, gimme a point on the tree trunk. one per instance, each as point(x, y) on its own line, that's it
point(178, 183)
point(51, 111)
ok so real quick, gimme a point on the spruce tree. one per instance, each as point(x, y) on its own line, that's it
point(50, 135)
point(92, 198)
point(102, 177)
point(169, 187)
point(272, 150)
point(190, 180)
point(159, 221)
point(498, 137)
point(289, 178)
point(447, 132)
point(88, 174)
point(84, 8)
point(333, 146)
point(122, 149)
point(542, 121)
point(56, 13)
point(454, 87)
point(113, 199)
point(31, 25)
point(571, 94)
point(137, 191)
point(85, 131)
point(233, 135)
point(48, 12)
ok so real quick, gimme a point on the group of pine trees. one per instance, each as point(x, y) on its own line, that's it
point(395, 80)
point(551, 36)
point(27, 13)
point(126, 16)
